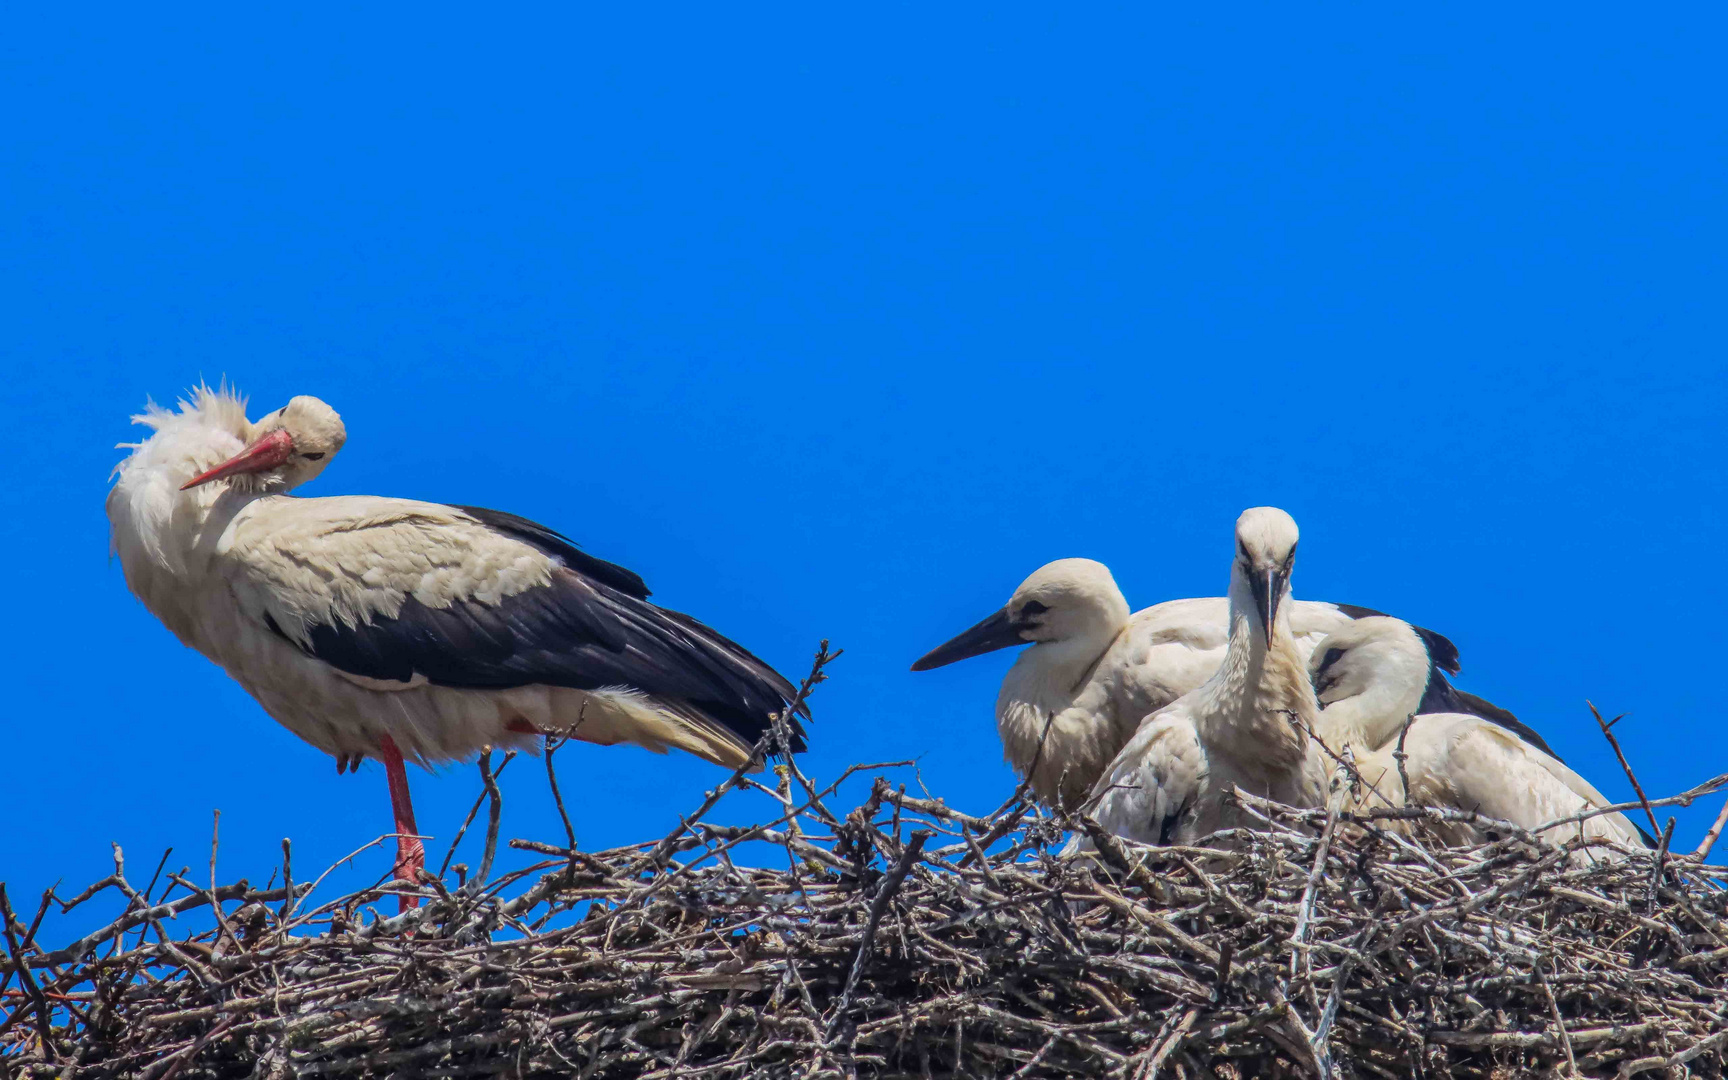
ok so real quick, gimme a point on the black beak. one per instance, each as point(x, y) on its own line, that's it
point(1268, 589)
point(996, 632)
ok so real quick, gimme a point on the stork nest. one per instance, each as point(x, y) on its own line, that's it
point(906, 938)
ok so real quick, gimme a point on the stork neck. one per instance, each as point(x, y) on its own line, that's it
point(1050, 684)
point(1246, 639)
point(1259, 705)
point(1347, 723)
point(155, 521)
point(1058, 668)
point(1368, 720)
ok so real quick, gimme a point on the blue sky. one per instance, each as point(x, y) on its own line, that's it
point(837, 324)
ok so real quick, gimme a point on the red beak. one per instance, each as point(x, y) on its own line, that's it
point(267, 453)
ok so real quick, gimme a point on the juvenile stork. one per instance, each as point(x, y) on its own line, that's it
point(1246, 726)
point(1372, 675)
point(402, 630)
point(1094, 671)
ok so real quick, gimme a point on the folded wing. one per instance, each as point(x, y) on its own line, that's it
point(412, 593)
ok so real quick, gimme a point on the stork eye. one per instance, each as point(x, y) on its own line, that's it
point(319, 456)
point(1033, 607)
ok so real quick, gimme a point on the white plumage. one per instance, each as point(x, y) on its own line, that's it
point(1099, 671)
point(1372, 675)
point(1246, 726)
point(389, 628)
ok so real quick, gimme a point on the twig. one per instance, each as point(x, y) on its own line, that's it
point(494, 813)
point(1703, 851)
point(1305, 911)
point(1658, 863)
point(552, 745)
point(44, 1028)
point(1025, 784)
point(816, 676)
point(215, 901)
point(1685, 798)
point(1006, 821)
point(327, 872)
point(287, 877)
point(1608, 734)
point(488, 789)
point(179, 1060)
point(29, 933)
point(884, 894)
point(1559, 1024)
point(1401, 757)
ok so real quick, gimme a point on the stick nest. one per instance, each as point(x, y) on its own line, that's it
point(905, 938)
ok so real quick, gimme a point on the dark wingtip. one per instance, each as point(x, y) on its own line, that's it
point(798, 738)
point(1442, 696)
point(1440, 647)
point(735, 664)
point(1440, 650)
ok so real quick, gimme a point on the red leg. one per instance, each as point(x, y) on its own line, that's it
point(410, 854)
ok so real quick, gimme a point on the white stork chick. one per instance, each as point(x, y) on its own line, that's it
point(1245, 726)
point(1094, 671)
point(1372, 675)
point(388, 628)
point(1379, 669)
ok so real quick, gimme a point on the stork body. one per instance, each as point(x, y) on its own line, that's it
point(1094, 671)
point(1372, 675)
point(1245, 726)
point(404, 630)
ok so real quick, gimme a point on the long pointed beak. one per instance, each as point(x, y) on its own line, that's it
point(265, 453)
point(996, 632)
point(1268, 589)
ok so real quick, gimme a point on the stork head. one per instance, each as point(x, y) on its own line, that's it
point(1265, 554)
point(1067, 600)
point(287, 448)
point(1376, 668)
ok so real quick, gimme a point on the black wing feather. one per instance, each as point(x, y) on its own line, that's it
point(556, 544)
point(1441, 652)
point(591, 627)
point(1356, 611)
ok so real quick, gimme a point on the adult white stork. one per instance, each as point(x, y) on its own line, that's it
point(394, 629)
point(1094, 671)
point(1246, 726)
point(1373, 674)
